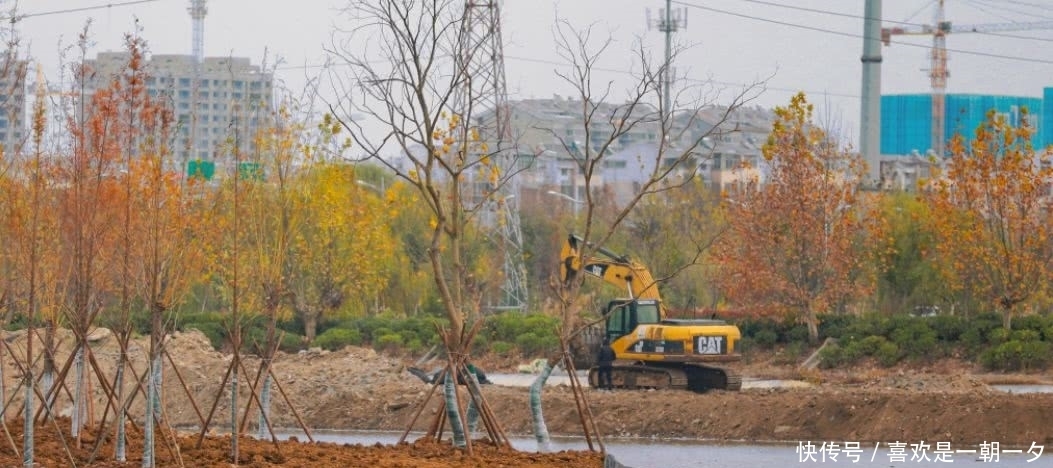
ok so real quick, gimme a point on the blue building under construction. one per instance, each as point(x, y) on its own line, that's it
point(906, 119)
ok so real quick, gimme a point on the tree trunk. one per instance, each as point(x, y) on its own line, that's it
point(50, 393)
point(265, 408)
point(453, 414)
point(27, 419)
point(472, 412)
point(310, 324)
point(120, 447)
point(152, 395)
point(77, 419)
point(813, 327)
point(544, 444)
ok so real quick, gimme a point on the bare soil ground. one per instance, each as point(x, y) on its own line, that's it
point(356, 388)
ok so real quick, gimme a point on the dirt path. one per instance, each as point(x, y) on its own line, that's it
point(358, 389)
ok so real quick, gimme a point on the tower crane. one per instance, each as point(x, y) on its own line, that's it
point(938, 72)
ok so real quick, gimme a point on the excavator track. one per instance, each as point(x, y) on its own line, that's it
point(635, 376)
point(702, 378)
point(695, 377)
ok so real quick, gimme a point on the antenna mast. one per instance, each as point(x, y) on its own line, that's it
point(198, 10)
point(669, 22)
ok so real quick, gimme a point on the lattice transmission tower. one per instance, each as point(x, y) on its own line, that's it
point(482, 57)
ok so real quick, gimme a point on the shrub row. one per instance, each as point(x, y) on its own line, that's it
point(891, 339)
point(502, 334)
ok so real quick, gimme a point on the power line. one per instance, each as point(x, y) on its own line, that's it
point(1012, 10)
point(1035, 5)
point(919, 10)
point(608, 70)
point(719, 82)
point(985, 9)
point(77, 10)
point(903, 23)
point(820, 11)
point(859, 36)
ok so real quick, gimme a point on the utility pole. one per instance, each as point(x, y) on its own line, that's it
point(669, 22)
point(870, 120)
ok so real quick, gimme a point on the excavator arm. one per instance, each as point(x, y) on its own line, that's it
point(617, 270)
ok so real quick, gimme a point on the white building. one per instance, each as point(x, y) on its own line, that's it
point(222, 101)
point(725, 149)
point(12, 105)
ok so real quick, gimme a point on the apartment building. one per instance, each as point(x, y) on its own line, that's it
point(723, 147)
point(220, 104)
point(13, 130)
point(547, 134)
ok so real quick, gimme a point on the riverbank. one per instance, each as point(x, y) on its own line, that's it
point(358, 389)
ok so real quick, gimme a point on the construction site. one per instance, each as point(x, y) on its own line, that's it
point(79, 390)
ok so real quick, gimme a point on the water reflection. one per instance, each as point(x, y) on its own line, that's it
point(1023, 388)
point(561, 378)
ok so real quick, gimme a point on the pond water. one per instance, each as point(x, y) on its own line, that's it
point(560, 377)
point(1024, 388)
point(655, 453)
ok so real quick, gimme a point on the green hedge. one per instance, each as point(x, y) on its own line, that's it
point(886, 339)
point(891, 339)
point(335, 339)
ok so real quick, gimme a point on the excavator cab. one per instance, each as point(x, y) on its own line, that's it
point(624, 315)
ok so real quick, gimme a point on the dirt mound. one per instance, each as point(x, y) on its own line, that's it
point(50, 450)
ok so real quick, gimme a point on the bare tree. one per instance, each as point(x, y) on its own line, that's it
point(673, 161)
point(411, 72)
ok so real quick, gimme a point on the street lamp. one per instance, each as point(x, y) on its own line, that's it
point(569, 198)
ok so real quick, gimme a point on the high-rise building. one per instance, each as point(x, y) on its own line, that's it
point(12, 104)
point(219, 104)
point(907, 154)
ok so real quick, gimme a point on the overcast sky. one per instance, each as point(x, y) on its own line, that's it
point(814, 45)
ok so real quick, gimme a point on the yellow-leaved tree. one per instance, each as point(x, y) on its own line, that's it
point(991, 215)
point(342, 248)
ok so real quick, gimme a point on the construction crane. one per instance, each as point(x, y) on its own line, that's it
point(938, 72)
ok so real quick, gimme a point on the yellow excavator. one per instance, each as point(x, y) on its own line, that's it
point(653, 350)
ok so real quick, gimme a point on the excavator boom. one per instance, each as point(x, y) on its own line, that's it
point(617, 270)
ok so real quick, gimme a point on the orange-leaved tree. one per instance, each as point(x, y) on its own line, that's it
point(88, 194)
point(31, 262)
point(797, 244)
point(991, 216)
point(154, 239)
